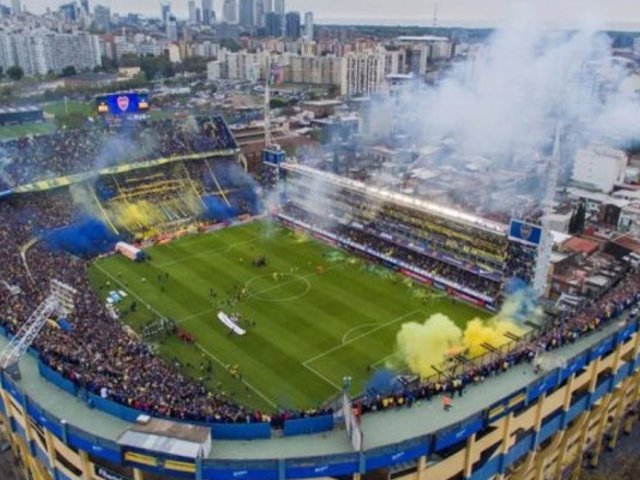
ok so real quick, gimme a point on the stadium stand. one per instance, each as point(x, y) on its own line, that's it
point(98, 355)
point(65, 153)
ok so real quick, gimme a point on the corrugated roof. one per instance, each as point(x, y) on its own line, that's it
point(581, 245)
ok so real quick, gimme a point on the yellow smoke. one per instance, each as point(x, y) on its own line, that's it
point(423, 346)
point(491, 332)
point(135, 215)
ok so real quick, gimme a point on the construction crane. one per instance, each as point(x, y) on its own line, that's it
point(543, 263)
point(59, 302)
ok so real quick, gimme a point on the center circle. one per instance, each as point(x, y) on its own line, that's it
point(277, 287)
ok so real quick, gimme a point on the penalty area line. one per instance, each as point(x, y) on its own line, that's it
point(322, 376)
point(358, 337)
point(247, 384)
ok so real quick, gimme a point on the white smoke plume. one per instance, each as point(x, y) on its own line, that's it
point(513, 92)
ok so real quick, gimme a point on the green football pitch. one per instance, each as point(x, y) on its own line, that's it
point(314, 314)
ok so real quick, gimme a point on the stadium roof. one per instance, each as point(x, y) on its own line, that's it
point(25, 109)
point(404, 200)
point(168, 437)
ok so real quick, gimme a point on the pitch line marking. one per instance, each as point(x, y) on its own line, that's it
point(357, 337)
point(356, 328)
point(322, 376)
point(295, 278)
point(219, 362)
point(384, 359)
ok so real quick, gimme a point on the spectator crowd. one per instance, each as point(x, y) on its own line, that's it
point(98, 354)
point(33, 158)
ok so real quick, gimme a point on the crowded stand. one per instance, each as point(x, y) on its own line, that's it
point(33, 158)
point(99, 354)
point(103, 356)
point(392, 249)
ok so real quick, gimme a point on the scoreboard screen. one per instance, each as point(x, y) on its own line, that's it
point(122, 103)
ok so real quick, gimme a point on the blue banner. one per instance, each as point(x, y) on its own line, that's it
point(240, 473)
point(275, 157)
point(330, 470)
point(240, 431)
point(462, 432)
point(390, 458)
point(57, 379)
point(524, 232)
point(304, 426)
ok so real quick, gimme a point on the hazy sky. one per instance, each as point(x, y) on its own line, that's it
point(563, 12)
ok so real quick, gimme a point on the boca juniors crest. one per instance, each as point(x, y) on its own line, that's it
point(123, 103)
point(525, 232)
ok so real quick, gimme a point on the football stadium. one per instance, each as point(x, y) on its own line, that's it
point(165, 313)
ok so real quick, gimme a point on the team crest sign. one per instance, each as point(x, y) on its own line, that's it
point(123, 103)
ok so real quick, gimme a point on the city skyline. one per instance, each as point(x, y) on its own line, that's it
point(613, 13)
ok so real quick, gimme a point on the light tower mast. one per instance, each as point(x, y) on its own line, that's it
point(268, 137)
point(543, 264)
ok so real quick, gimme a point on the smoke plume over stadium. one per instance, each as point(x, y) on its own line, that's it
point(499, 109)
point(510, 95)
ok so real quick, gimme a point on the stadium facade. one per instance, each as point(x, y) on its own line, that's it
point(547, 425)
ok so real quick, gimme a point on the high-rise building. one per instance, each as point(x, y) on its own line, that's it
point(279, 7)
point(260, 13)
point(247, 11)
point(292, 25)
point(363, 73)
point(102, 17)
point(208, 15)
point(172, 29)
point(273, 24)
point(69, 11)
point(230, 11)
point(165, 9)
point(16, 8)
point(84, 5)
point(308, 25)
point(192, 12)
point(42, 51)
point(268, 6)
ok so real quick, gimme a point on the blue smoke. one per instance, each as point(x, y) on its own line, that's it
point(382, 382)
point(521, 301)
point(216, 209)
point(87, 237)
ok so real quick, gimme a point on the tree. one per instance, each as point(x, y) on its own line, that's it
point(1, 72)
point(278, 103)
point(68, 71)
point(194, 65)
point(581, 217)
point(15, 73)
